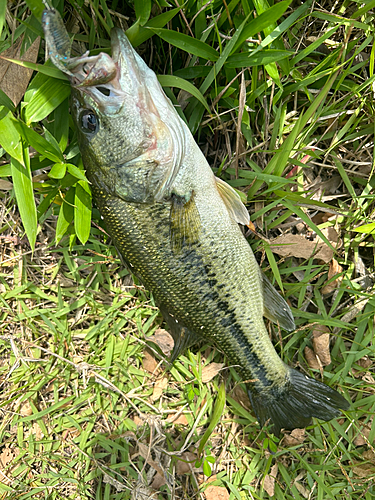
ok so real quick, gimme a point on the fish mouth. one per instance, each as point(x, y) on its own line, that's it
point(108, 80)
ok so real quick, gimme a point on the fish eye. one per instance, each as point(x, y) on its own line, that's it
point(88, 121)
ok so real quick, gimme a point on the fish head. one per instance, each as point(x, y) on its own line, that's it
point(130, 136)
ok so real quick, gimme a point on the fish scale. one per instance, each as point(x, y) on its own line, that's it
point(176, 226)
point(217, 301)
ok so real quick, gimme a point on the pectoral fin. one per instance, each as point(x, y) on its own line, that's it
point(232, 200)
point(184, 222)
point(182, 336)
point(275, 307)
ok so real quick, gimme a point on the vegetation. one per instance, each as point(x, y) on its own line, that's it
point(280, 98)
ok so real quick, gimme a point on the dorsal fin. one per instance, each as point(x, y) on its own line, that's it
point(232, 200)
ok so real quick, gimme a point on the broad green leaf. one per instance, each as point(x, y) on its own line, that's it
point(58, 171)
point(38, 142)
point(366, 228)
point(41, 68)
point(188, 44)
point(207, 468)
point(77, 172)
point(3, 9)
point(5, 101)
point(142, 10)
point(175, 81)
point(36, 7)
point(47, 98)
point(5, 170)
point(10, 137)
point(138, 34)
point(66, 214)
point(215, 418)
point(23, 188)
point(260, 23)
point(82, 211)
point(267, 56)
point(192, 72)
point(61, 124)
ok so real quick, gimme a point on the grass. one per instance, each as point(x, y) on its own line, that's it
point(282, 105)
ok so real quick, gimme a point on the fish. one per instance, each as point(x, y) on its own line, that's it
point(177, 227)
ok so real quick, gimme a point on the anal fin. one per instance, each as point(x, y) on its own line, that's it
point(276, 308)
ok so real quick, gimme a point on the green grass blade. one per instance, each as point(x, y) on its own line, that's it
point(47, 98)
point(10, 137)
point(41, 68)
point(260, 23)
point(215, 418)
point(176, 81)
point(142, 10)
point(23, 188)
point(38, 142)
point(187, 43)
point(257, 58)
point(138, 34)
point(82, 211)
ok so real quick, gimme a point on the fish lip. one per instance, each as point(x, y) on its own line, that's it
point(108, 80)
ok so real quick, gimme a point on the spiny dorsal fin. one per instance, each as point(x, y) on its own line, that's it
point(232, 200)
point(185, 222)
point(275, 307)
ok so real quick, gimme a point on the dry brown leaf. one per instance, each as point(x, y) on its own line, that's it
point(320, 342)
point(145, 453)
point(364, 470)
point(5, 185)
point(297, 436)
point(367, 377)
point(7, 455)
point(241, 397)
point(269, 481)
point(25, 409)
point(311, 358)
point(159, 387)
point(362, 436)
point(164, 340)
point(14, 79)
point(177, 419)
point(296, 245)
point(302, 489)
point(369, 455)
point(149, 363)
point(158, 481)
point(334, 269)
point(365, 362)
point(186, 462)
point(332, 236)
point(210, 371)
point(216, 493)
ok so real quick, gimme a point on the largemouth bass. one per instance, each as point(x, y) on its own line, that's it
point(176, 226)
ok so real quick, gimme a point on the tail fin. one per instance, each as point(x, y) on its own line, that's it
point(291, 406)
